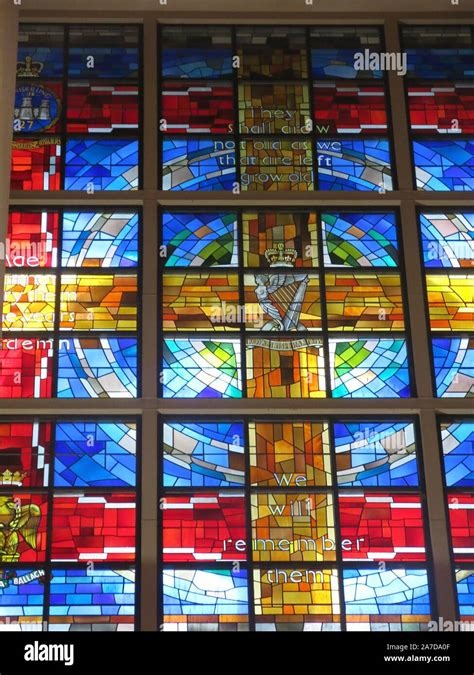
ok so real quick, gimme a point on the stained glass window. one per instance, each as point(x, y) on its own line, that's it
point(204, 454)
point(457, 445)
point(280, 520)
point(262, 119)
point(201, 368)
point(278, 498)
point(22, 597)
point(450, 301)
point(447, 247)
point(32, 239)
point(395, 599)
point(445, 165)
point(439, 64)
point(382, 527)
point(40, 51)
point(77, 86)
point(340, 108)
point(278, 52)
point(461, 520)
point(26, 367)
point(205, 527)
point(447, 239)
point(364, 301)
point(94, 454)
point(89, 524)
point(465, 593)
point(297, 599)
point(205, 599)
point(198, 51)
point(360, 239)
point(453, 360)
point(102, 108)
point(100, 239)
point(354, 165)
point(439, 52)
point(203, 107)
point(377, 454)
point(97, 367)
point(289, 454)
point(334, 50)
point(458, 452)
point(369, 368)
point(448, 109)
point(290, 285)
point(200, 239)
point(55, 283)
point(100, 599)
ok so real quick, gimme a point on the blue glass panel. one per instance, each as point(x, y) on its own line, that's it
point(196, 51)
point(360, 239)
point(447, 239)
point(198, 165)
point(106, 164)
point(202, 368)
point(204, 454)
point(97, 368)
point(458, 451)
point(85, 600)
point(93, 454)
point(110, 62)
point(444, 165)
point(391, 593)
point(440, 64)
point(465, 589)
point(354, 165)
point(454, 367)
point(40, 62)
point(100, 239)
point(205, 592)
point(200, 239)
point(371, 368)
point(375, 454)
point(196, 62)
point(21, 598)
point(339, 63)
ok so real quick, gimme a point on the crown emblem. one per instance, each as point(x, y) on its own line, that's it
point(281, 256)
point(29, 68)
point(8, 477)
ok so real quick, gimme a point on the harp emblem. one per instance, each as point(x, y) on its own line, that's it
point(281, 294)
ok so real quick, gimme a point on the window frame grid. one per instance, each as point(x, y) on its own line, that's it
point(50, 491)
point(333, 489)
point(238, 137)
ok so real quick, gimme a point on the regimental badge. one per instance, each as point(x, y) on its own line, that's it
point(36, 108)
point(281, 294)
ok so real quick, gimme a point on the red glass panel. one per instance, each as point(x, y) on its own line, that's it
point(348, 108)
point(461, 517)
point(93, 527)
point(32, 239)
point(192, 108)
point(25, 454)
point(36, 164)
point(101, 108)
point(26, 368)
point(442, 108)
point(381, 527)
point(204, 527)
